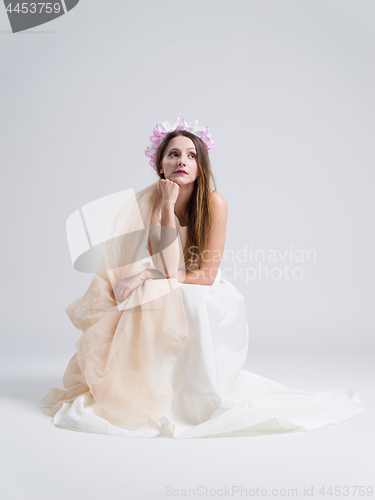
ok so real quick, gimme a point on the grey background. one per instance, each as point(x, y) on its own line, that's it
point(286, 89)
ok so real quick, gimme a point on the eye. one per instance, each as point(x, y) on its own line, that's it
point(193, 155)
point(173, 153)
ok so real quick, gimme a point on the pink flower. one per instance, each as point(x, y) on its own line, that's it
point(162, 129)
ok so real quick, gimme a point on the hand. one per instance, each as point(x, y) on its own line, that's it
point(170, 191)
point(125, 286)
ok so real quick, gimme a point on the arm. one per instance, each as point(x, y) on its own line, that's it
point(164, 246)
point(215, 248)
point(167, 260)
point(211, 256)
point(169, 251)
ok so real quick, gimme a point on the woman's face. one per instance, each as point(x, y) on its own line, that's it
point(180, 154)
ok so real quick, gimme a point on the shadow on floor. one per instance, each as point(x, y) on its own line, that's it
point(28, 388)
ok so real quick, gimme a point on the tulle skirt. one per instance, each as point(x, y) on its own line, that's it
point(175, 369)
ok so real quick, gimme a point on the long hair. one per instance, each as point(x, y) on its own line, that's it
point(199, 207)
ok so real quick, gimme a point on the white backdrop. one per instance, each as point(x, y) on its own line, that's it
point(286, 89)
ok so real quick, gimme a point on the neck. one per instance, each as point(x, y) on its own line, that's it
point(183, 198)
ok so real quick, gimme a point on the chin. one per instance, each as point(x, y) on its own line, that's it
point(181, 181)
point(179, 178)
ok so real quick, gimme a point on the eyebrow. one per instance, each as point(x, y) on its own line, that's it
point(179, 148)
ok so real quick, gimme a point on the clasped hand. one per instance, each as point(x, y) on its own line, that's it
point(125, 286)
point(170, 190)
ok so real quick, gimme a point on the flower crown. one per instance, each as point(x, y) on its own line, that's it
point(162, 129)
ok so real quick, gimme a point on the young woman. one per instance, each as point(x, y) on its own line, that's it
point(164, 335)
point(185, 194)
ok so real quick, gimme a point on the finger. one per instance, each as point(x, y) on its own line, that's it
point(117, 293)
point(124, 293)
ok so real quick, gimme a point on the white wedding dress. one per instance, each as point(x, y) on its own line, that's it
point(210, 392)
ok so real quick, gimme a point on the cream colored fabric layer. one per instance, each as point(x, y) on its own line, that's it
point(126, 350)
point(169, 360)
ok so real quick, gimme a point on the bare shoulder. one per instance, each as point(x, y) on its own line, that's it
point(219, 203)
point(220, 209)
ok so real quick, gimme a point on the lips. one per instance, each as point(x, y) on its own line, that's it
point(180, 171)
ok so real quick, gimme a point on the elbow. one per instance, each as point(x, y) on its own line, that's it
point(169, 274)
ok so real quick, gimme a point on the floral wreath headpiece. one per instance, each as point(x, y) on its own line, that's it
point(162, 129)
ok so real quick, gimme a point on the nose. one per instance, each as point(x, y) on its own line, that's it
point(181, 160)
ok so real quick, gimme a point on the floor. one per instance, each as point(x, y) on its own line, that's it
point(40, 461)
